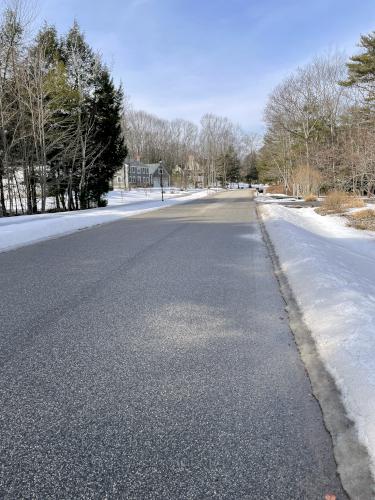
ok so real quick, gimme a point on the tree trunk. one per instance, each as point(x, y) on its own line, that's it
point(34, 204)
point(78, 206)
point(2, 197)
point(19, 194)
point(62, 199)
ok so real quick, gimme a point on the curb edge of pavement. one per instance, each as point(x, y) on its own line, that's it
point(352, 458)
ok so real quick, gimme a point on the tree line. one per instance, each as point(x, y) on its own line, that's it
point(60, 119)
point(321, 126)
point(217, 150)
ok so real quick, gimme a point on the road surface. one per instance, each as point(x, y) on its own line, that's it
point(151, 358)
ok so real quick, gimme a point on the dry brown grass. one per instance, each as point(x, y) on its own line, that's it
point(306, 180)
point(363, 219)
point(337, 202)
point(310, 197)
point(278, 189)
point(355, 201)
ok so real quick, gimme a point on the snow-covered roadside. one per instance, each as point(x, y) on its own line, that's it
point(331, 270)
point(121, 197)
point(27, 229)
point(275, 198)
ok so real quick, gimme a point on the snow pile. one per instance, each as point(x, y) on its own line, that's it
point(27, 229)
point(331, 269)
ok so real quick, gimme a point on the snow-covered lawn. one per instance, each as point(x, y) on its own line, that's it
point(121, 197)
point(27, 229)
point(331, 270)
point(117, 197)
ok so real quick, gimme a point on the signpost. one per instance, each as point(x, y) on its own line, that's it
point(161, 179)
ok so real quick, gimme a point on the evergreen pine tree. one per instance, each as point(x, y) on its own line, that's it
point(233, 174)
point(361, 69)
point(108, 137)
point(83, 70)
point(250, 167)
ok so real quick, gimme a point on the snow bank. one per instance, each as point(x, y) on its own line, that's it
point(27, 229)
point(331, 269)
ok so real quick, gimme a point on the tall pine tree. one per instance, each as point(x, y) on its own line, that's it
point(107, 136)
point(233, 162)
point(361, 68)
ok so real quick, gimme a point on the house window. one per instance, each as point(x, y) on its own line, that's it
point(119, 179)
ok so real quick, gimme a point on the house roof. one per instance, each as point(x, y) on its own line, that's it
point(152, 167)
point(135, 163)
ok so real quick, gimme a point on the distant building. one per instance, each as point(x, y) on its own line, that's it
point(138, 174)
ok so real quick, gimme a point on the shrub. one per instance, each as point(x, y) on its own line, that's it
point(102, 202)
point(355, 201)
point(337, 202)
point(310, 197)
point(363, 219)
point(277, 189)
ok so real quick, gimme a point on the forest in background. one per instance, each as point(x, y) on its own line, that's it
point(217, 151)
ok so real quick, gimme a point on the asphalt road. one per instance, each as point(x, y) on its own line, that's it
point(151, 358)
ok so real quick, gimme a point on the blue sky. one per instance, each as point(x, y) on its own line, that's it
point(183, 58)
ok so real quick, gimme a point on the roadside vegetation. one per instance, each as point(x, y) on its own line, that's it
point(310, 197)
point(277, 189)
point(337, 202)
point(363, 219)
point(60, 117)
point(320, 134)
